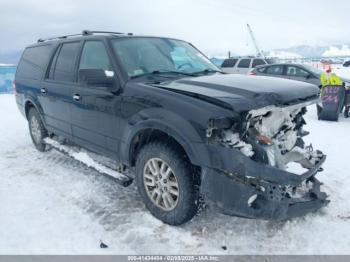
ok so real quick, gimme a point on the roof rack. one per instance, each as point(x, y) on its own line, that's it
point(83, 33)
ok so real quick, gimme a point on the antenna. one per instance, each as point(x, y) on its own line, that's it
point(257, 49)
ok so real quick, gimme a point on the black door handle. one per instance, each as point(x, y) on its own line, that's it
point(76, 97)
point(43, 90)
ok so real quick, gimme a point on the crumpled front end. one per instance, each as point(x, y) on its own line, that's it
point(252, 198)
point(250, 173)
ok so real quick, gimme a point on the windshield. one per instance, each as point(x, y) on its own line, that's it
point(313, 69)
point(146, 55)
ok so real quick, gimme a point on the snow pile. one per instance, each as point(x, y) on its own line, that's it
point(6, 65)
point(52, 204)
point(335, 51)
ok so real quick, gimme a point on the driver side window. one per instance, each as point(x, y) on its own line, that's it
point(296, 71)
point(94, 56)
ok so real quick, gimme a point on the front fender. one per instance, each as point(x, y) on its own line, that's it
point(174, 125)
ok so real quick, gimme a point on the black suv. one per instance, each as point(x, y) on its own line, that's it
point(182, 128)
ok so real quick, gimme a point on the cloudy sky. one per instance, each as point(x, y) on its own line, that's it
point(214, 26)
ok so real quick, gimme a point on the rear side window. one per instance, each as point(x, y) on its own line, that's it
point(63, 64)
point(275, 70)
point(33, 62)
point(229, 62)
point(244, 63)
point(257, 62)
point(261, 69)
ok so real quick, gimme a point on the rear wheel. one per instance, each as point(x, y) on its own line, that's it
point(37, 129)
point(167, 183)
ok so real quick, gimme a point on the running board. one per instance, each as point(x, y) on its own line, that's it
point(85, 159)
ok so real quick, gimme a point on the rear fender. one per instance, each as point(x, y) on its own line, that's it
point(31, 99)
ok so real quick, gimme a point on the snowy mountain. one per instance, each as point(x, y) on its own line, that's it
point(315, 51)
point(283, 54)
point(10, 57)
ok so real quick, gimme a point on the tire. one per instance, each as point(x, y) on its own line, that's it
point(36, 129)
point(346, 111)
point(185, 196)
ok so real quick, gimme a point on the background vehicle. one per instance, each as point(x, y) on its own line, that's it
point(242, 65)
point(175, 122)
point(298, 72)
point(346, 64)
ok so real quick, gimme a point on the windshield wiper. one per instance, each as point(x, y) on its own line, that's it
point(163, 72)
point(206, 72)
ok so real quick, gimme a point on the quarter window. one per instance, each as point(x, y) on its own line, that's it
point(34, 61)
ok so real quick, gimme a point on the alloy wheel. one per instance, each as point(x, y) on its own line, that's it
point(161, 184)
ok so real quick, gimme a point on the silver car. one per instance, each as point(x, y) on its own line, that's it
point(299, 72)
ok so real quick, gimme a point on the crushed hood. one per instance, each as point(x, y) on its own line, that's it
point(243, 93)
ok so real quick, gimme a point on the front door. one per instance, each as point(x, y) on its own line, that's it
point(297, 73)
point(95, 109)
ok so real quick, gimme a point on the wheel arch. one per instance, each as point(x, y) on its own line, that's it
point(146, 133)
point(27, 106)
point(29, 103)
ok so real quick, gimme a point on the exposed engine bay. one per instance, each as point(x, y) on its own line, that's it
point(274, 136)
point(266, 142)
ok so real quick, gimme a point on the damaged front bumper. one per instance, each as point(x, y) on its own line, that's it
point(254, 190)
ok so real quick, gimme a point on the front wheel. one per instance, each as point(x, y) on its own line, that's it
point(37, 129)
point(167, 183)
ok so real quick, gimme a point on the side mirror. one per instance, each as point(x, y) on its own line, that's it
point(97, 77)
point(308, 76)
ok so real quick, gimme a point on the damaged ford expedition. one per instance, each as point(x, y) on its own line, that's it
point(175, 123)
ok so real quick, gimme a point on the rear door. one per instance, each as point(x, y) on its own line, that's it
point(273, 70)
point(95, 108)
point(243, 66)
point(56, 88)
point(30, 73)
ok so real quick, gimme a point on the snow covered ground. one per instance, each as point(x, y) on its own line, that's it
point(51, 204)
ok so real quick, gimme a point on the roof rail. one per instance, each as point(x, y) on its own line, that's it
point(88, 32)
point(56, 37)
point(83, 33)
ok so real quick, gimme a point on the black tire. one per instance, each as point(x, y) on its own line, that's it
point(346, 111)
point(37, 138)
point(188, 193)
